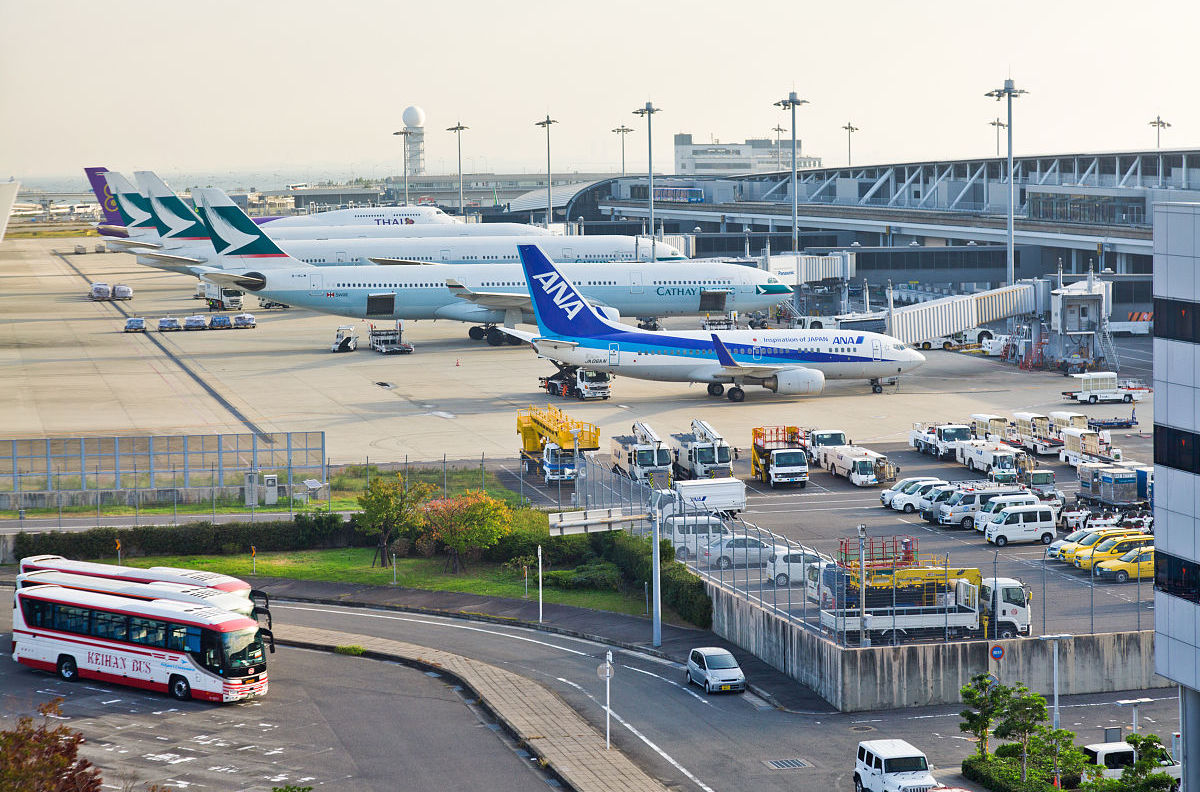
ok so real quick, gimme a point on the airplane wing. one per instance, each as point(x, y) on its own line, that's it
point(398, 261)
point(732, 367)
point(132, 244)
point(498, 300)
point(109, 230)
point(543, 346)
point(172, 263)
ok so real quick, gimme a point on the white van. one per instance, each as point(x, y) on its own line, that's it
point(891, 766)
point(886, 496)
point(907, 500)
point(990, 510)
point(690, 534)
point(1022, 524)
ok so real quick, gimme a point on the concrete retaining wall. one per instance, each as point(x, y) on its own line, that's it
point(914, 675)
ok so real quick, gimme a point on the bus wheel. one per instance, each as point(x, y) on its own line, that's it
point(180, 688)
point(67, 670)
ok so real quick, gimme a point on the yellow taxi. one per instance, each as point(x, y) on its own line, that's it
point(1110, 548)
point(1137, 563)
point(1067, 552)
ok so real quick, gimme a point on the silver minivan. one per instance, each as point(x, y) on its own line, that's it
point(690, 534)
point(963, 505)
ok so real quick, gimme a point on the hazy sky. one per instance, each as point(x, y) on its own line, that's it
point(225, 86)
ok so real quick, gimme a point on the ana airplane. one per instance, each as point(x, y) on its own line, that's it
point(369, 217)
point(573, 333)
point(483, 295)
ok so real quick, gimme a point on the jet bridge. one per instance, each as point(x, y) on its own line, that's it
point(949, 315)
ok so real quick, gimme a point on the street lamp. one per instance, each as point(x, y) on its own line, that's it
point(458, 130)
point(1008, 92)
point(999, 125)
point(778, 151)
point(545, 123)
point(862, 582)
point(1159, 125)
point(404, 133)
point(1054, 639)
point(850, 130)
point(648, 112)
point(1134, 703)
point(792, 102)
point(622, 131)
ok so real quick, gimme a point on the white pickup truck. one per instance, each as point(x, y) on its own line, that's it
point(1114, 757)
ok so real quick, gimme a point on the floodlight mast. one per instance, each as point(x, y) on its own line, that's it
point(792, 102)
point(648, 112)
point(1009, 91)
point(545, 123)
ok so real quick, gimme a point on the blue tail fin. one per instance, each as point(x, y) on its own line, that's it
point(559, 307)
point(723, 356)
point(108, 204)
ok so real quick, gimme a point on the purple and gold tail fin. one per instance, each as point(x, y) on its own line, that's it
point(108, 204)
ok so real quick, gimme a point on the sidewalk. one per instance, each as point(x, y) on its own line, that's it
point(632, 632)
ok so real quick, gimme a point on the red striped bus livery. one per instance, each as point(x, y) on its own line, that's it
point(187, 650)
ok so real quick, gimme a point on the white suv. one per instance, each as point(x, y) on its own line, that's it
point(886, 496)
point(891, 766)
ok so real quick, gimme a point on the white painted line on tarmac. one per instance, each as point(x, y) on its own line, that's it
point(690, 692)
point(643, 738)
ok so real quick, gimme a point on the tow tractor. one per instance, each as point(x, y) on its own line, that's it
point(549, 439)
point(577, 383)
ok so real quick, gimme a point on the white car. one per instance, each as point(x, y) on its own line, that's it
point(1022, 524)
point(891, 766)
point(1054, 548)
point(715, 670)
point(886, 496)
point(907, 500)
point(788, 567)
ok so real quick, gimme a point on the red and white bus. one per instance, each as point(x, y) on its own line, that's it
point(157, 589)
point(189, 651)
point(187, 577)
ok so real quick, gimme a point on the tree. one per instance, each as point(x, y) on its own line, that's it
point(473, 519)
point(1146, 774)
point(1021, 719)
point(44, 759)
point(1066, 759)
point(987, 699)
point(390, 507)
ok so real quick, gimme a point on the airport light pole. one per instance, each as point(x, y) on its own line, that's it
point(999, 125)
point(792, 102)
point(778, 130)
point(1159, 125)
point(1008, 92)
point(1054, 639)
point(404, 133)
point(458, 130)
point(850, 130)
point(648, 112)
point(622, 131)
point(545, 123)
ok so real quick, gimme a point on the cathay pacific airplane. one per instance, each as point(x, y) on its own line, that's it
point(483, 295)
point(363, 217)
point(573, 333)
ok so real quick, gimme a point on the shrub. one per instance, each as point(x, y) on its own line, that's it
point(682, 590)
point(354, 650)
point(600, 575)
point(1001, 774)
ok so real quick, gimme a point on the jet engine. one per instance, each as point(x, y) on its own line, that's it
point(799, 381)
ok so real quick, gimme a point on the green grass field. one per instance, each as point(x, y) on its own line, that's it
point(353, 565)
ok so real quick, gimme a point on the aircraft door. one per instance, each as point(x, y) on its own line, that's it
point(567, 255)
point(876, 350)
point(314, 284)
point(445, 255)
point(341, 257)
point(614, 354)
point(757, 352)
point(635, 283)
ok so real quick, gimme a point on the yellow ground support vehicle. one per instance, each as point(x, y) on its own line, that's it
point(777, 456)
point(1110, 548)
point(1137, 563)
point(549, 441)
point(1067, 552)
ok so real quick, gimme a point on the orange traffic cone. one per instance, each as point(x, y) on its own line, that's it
point(457, 363)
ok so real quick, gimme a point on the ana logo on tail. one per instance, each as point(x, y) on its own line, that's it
point(561, 292)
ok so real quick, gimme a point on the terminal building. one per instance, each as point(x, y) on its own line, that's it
point(1177, 464)
point(756, 155)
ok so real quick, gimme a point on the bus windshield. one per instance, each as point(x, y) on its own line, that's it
point(243, 648)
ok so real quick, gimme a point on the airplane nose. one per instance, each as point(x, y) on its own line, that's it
point(916, 357)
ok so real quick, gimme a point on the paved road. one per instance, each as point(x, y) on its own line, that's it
point(328, 721)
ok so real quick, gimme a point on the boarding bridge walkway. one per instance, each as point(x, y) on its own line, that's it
point(913, 324)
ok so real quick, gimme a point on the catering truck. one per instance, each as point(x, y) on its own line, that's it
point(642, 456)
point(938, 439)
point(702, 453)
point(1000, 461)
point(778, 457)
point(222, 298)
point(862, 467)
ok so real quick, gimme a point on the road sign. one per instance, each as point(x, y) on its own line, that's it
point(604, 671)
point(997, 652)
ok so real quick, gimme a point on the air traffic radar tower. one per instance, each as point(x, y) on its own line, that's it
point(414, 125)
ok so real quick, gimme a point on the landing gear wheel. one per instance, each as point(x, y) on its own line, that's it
point(512, 340)
point(495, 337)
point(67, 670)
point(715, 389)
point(476, 333)
point(180, 688)
point(736, 394)
point(877, 389)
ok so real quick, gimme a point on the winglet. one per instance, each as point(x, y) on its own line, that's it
point(723, 356)
point(108, 204)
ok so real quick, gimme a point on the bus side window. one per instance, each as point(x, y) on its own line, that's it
point(176, 637)
point(193, 639)
point(37, 613)
point(150, 632)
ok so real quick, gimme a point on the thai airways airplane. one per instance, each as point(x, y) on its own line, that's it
point(360, 218)
point(574, 333)
point(483, 295)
